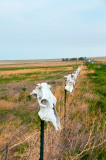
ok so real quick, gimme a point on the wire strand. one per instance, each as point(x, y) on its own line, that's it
point(17, 133)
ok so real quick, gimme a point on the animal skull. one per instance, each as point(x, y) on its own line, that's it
point(47, 102)
point(74, 77)
point(69, 83)
point(71, 80)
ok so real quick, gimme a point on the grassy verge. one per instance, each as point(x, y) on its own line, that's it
point(84, 139)
point(98, 78)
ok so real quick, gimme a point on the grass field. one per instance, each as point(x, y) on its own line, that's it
point(87, 116)
point(16, 105)
point(82, 137)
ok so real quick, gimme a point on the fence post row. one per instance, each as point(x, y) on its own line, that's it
point(65, 101)
point(42, 140)
point(65, 91)
point(41, 133)
point(42, 130)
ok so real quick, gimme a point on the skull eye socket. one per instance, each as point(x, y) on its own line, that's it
point(35, 95)
point(44, 102)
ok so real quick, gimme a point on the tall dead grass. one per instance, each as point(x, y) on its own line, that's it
point(82, 134)
point(85, 136)
point(20, 71)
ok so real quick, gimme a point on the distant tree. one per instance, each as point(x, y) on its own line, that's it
point(73, 59)
point(81, 58)
point(66, 59)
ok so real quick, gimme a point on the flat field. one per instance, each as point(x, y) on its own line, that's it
point(82, 117)
point(17, 80)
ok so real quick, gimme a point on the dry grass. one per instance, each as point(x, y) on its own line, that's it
point(14, 103)
point(49, 63)
point(80, 135)
point(6, 73)
point(5, 105)
point(83, 130)
point(30, 137)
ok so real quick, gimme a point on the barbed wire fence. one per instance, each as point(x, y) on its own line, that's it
point(52, 138)
point(6, 149)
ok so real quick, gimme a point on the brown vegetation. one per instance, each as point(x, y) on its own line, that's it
point(81, 131)
point(49, 63)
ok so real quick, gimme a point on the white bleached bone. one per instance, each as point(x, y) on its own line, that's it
point(74, 77)
point(71, 80)
point(69, 83)
point(78, 70)
point(47, 102)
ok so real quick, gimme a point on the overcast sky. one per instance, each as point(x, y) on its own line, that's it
point(46, 29)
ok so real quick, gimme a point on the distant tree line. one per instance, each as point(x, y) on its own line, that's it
point(72, 59)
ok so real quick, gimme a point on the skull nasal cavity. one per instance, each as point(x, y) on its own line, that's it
point(44, 101)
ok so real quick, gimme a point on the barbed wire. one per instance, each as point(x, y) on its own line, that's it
point(54, 136)
point(17, 133)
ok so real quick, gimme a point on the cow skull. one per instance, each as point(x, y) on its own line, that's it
point(71, 80)
point(47, 102)
point(69, 83)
